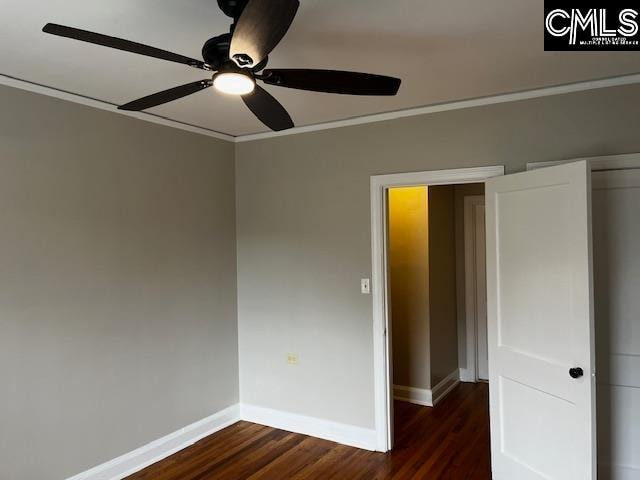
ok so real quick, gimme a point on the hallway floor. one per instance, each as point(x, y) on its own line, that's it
point(449, 442)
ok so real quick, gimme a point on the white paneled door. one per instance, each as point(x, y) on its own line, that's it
point(616, 233)
point(540, 324)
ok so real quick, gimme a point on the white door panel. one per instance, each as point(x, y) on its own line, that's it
point(616, 229)
point(540, 324)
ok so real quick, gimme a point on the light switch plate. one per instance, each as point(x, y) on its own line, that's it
point(292, 358)
point(365, 286)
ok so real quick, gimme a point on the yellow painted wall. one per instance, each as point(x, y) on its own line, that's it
point(409, 285)
point(443, 329)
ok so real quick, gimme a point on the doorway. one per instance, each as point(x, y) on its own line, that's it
point(383, 328)
point(436, 260)
point(540, 320)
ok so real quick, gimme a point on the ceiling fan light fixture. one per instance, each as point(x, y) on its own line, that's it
point(234, 83)
point(239, 58)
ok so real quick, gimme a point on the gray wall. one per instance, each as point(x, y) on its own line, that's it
point(442, 283)
point(304, 231)
point(117, 262)
point(117, 284)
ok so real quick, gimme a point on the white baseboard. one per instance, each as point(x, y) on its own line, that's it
point(336, 432)
point(443, 388)
point(467, 376)
point(424, 396)
point(419, 396)
point(155, 451)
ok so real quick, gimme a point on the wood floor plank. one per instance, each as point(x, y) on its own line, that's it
point(449, 442)
point(305, 454)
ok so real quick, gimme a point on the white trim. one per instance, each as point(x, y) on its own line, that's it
point(607, 162)
point(364, 119)
point(445, 386)
point(153, 452)
point(418, 396)
point(104, 105)
point(470, 287)
point(457, 105)
point(381, 365)
point(140, 458)
point(467, 376)
point(439, 177)
point(424, 396)
point(336, 432)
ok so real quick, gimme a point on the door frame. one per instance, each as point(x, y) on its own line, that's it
point(382, 365)
point(470, 340)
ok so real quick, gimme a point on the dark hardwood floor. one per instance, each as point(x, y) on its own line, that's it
point(449, 442)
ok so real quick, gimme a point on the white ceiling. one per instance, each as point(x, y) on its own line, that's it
point(444, 50)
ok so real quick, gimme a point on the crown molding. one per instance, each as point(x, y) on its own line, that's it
point(111, 107)
point(457, 105)
point(377, 117)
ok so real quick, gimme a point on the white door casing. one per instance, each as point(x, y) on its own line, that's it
point(482, 347)
point(540, 324)
point(475, 291)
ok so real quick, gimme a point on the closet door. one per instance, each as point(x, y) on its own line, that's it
point(616, 234)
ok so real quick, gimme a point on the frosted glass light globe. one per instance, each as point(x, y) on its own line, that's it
point(234, 83)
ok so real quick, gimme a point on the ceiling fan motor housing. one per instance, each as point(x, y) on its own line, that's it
point(232, 8)
point(215, 51)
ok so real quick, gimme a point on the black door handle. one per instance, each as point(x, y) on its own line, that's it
point(576, 372)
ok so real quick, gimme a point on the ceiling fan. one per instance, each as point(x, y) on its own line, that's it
point(239, 59)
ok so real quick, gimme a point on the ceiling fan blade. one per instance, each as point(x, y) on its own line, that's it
point(166, 96)
point(120, 44)
point(268, 110)
point(332, 81)
point(260, 28)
